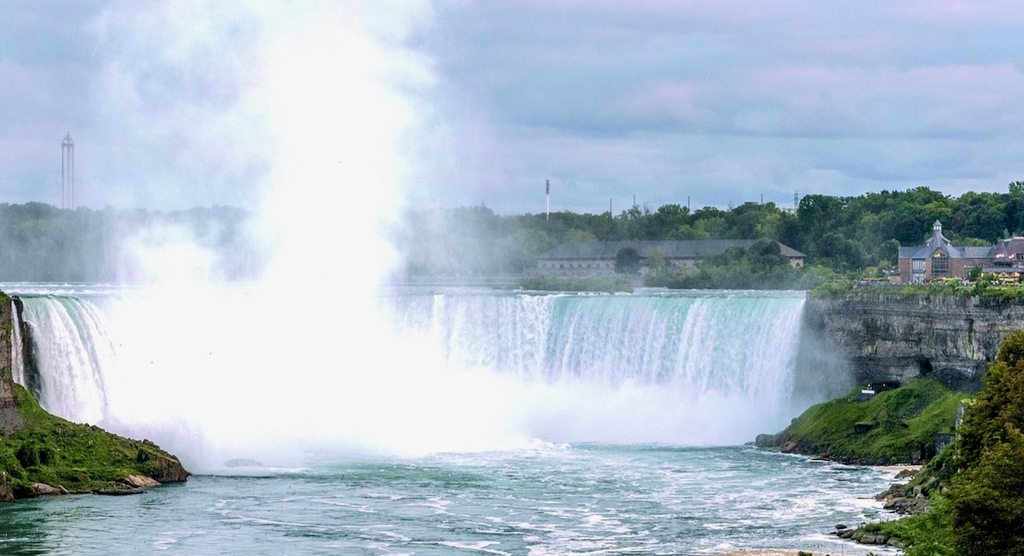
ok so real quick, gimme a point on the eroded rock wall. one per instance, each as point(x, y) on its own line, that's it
point(886, 337)
point(8, 413)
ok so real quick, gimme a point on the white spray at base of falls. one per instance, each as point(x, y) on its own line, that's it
point(218, 377)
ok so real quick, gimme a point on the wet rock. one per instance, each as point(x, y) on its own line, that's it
point(871, 538)
point(166, 469)
point(120, 491)
point(907, 473)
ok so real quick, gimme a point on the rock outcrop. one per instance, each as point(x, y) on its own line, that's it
point(9, 419)
point(894, 338)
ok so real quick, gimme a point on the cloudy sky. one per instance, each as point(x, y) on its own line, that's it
point(179, 104)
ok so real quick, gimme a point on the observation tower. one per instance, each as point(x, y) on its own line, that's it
point(67, 172)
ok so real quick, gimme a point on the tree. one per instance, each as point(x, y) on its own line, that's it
point(657, 264)
point(577, 235)
point(986, 500)
point(627, 261)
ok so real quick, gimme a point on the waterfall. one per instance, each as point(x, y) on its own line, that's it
point(223, 376)
point(693, 368)
point(738, 343)
point(72, 351)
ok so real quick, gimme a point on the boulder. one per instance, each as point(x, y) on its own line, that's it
point(47, 490)
point(6, 492)
point(140, 481)
point(165, 468)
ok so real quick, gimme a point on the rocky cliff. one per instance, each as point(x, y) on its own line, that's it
point(8, 412)
point(894, 338)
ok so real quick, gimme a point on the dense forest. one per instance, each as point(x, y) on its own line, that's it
point(838, 234)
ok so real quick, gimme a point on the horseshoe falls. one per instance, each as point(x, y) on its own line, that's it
point(451, 371)
point(458, 422)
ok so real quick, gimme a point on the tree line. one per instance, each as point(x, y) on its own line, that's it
point(840, 235)
point(41, 243)
point(844, 235)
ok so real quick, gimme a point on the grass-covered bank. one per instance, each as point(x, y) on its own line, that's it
point(69, 457)
point(894, 426)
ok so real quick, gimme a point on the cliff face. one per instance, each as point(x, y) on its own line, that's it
point(894, 338)
point(8, 413)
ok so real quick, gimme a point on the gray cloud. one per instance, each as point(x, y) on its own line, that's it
point(718, 102)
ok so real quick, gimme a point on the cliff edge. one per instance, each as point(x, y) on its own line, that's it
point(889, 338)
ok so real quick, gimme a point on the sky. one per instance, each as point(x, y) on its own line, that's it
point(180, 104)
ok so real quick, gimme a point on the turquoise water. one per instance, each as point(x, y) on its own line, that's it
point(549, 500)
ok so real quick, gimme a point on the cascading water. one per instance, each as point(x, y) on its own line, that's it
point(72, 351)
point(738, 342)
point(455, 371)
point(690, 369)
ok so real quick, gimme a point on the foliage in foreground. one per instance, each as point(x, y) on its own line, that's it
point(80, 458)
point(986, 501)
point(894, 426)
point(927, 534)
point(982, 511)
